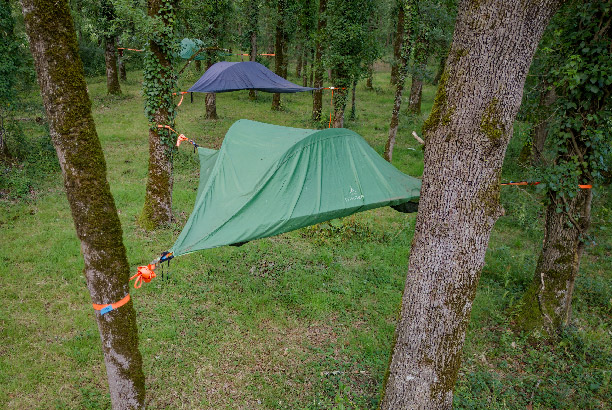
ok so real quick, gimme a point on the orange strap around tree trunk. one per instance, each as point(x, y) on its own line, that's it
point(111, 306)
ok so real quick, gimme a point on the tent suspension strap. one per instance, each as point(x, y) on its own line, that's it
point(147, 273)
point(103, 309)
point(181, 137)
point(581, 186)
point(182, 94)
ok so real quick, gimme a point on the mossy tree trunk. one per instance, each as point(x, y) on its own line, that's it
point(159, 84)
point(548, 300)
point(112, 74)
point(211, 101)
point(407, 11)
point(398, 41)
point(466, 137)
point(122, 69)
point(54, 47)
point(440, 70)
point(370, 77)
point(280, 65)
point(317, 69)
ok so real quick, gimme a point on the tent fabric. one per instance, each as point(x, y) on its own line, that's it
point(268, 179)
point(248, 75)
point(191, 46)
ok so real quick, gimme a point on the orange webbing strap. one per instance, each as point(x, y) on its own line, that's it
point(128, 49)
point(537, 183)
point(144, 274)
point(182, 93)
point(181, 137)
point(268, 54)
point(332, 101)
point(112, 306)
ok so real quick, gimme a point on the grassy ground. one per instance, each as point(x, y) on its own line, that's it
point(299, 321)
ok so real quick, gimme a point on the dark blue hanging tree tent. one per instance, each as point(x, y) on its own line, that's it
point(248, 75)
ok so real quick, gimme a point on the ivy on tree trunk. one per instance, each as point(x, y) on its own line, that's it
point(59, 69)
point(159, 84)
point(466, 137)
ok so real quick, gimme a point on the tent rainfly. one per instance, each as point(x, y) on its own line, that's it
point(248, 75)
point(268, 179)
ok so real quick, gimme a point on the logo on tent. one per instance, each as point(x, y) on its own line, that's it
point(353, 195)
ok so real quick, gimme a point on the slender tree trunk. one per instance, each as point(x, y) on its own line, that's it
point(305, 67)
point(416, 91)
point(353, 91)
point(402, 71)
point(253, 56)
point(198, 66)
point(466, 137)
point(533, 152)
point(112, 77)
point(317, 95)
point(279, 47)
point(312, 68)
point(160, 108)
point(298, 65)
point(397, 45)
point(60, 74)
point(441, 65)
point(122, 70)
point(548, 300)
point(370, 78)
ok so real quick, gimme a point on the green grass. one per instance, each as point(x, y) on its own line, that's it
point(303, 320)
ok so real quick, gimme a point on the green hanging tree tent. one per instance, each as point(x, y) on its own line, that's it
point(268, 179)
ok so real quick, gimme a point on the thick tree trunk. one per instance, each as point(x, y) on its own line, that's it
point(60, 74)
point(317, 95)
point(548, 300)
point(466, 137)
point(397, 45)
point(160, 106)
point(402, 71)
point(112, 75)
point(279, 47)
point(253, 57)
point(416, 91)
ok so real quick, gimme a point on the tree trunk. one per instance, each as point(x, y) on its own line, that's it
point(198, 66)
point(533, 152)
point(466, 137)
point(305, 68)
point(122, 70)
point(60, 74)
point(160, 108)
point(317, 95)
point(353, 91)
point(370, 78)
point(402, 71)
point(110, 56)
point(298, 65)
point(441, 65)
point(312, 68)
point(253, 57)
point(397, 45)
point(211, 106)
point(416, 91)
point(548, 300)
point(279, 47)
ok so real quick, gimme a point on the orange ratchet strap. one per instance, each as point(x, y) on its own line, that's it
point(112, 306)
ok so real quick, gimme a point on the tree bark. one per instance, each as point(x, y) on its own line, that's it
point(548, 300)
point(466, 136)
point(533, 153)
point(353, 92)
point(110, 56)
point(397, 45)
point(416, 91)
point(298, 65)
point(198, 66)
point(317, 95)
point(305, 67)
point(122, 69)
point(370, 78)
point(253, 55)
point(160, 108)
point(211, 106)
point(401, 75)
point(59, 69)
point(279, 47)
